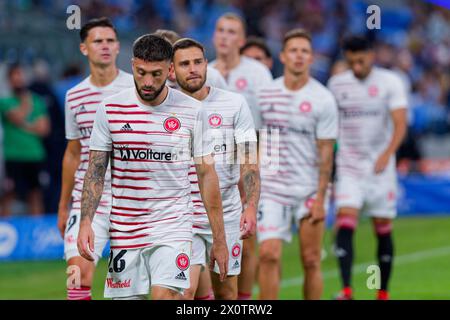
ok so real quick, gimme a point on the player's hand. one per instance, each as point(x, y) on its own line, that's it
point(63, 215)
point(248, 222)
point(382, 162)
point(85, 242)
point(219, 254)
point(317, 212)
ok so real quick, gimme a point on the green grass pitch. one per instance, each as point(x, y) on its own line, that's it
point(421, 266)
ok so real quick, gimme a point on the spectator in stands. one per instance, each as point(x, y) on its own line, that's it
point(25, 123)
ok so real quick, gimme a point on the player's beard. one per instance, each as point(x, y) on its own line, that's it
point(149, 96)
point(191, 88)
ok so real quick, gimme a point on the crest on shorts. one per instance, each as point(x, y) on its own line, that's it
point(182, 261)
point(236, 250)
point(373, 91)
point(305, 107)
point(172, 124)
point(241, 83)
point(215, 120)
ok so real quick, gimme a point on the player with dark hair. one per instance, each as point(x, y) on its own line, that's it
point(372, 106)
point(151, 132)
point(257, 49)
point(100, 45)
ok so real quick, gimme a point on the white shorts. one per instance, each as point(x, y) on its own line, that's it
point(132, 272)
point(100, 225)
point(275, 220)
point(201, 250)
point(375, 197)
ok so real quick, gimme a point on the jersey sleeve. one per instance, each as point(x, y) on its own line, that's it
point(101, 135)
point(244, 127)
point(327, 125)
point(202, 143)
point(72, 130)
point(397, 96)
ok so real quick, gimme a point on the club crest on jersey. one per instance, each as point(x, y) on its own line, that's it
point(215, 120)
point(373, 91)
point(309, 203)
point(241, 83)
point(305, 107)
point(172, 124)
point(182, 261)
point(236, 250)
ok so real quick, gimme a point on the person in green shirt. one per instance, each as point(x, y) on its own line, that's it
point(25, 124)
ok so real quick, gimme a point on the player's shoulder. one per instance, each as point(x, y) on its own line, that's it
point(254, 65)
point(213, 72)
point(344, 76)
point(125, 96)
point(176, 97)
point(385, 75)
point(274, 86)
point(319, 89)
point(228, 95)
point(82, 86)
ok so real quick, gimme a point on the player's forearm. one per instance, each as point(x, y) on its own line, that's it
point(398, 135)
point(212, 200)
point(69, 167)
point(250, 181)
point(93, 184)
point(325, 167)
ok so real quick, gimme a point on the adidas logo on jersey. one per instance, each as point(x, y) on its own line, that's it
point(181, 276)
point(126, 127)
point(236, 265)
point(82, 109)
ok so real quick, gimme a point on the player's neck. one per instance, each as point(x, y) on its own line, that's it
point(101, 77)
point(295, 82)
point(230, 61)
point(199, 94)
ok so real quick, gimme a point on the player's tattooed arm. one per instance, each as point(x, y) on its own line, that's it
point(250, 179)
point(325, 165)
point(93, 183)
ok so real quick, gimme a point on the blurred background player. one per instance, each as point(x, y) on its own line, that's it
point(372, 104)
point(243, 75)
point(100, 45)
point(151, 133)
point(25, 124)
point(304, 113)
point(257, 49)
point(214, 79)
point(232, 128)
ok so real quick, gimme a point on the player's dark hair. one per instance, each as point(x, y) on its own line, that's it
point(296, 33)
point(259, 43)
point(169, 35)
point(187, 43)
point(93, 23)
point(150, 47)
point(356, 43)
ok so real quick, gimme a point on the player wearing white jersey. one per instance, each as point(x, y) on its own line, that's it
point(304, 114)
point(245, 76)
point(372, 106)
point(151, 133)
point(100, 45)
point(232, 129)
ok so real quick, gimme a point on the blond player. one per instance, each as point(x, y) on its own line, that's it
point(151, 132)
point(304, 115)
point(100, 45)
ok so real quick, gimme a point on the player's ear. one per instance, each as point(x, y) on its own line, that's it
point(118, 47)
point(281, 56)
point(83, 49)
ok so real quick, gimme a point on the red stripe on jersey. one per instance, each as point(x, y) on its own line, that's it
point(131, 121)
point(118, 186)
point(130, 170)
point(131, 209)
point(130, 231)
point(129, 177)
point(163, 133)
point(128, 223)
point(130, 237)
point(118, 143)
point(86, 122)
point(121, 105)
point(84, 112)
point(145, 199)
point(84, 103)
point(77, 91)
point(134, 246)
point(128, 112)
point(113, 213)
point(85, 95)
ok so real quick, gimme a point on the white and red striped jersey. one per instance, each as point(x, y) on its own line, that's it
point(81, 104)
point(230, 123)
point(301, 118)
point(246, 78)
point(365, 126)
point(151, 150)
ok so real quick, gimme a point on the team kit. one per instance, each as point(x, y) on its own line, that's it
point(168, 164)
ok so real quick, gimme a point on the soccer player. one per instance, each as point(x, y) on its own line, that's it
point(100, 45)
point(151, 132)
point(304, 113)
point(243, 75)
point(257, 49)
point(372, 106)
point(231, 125)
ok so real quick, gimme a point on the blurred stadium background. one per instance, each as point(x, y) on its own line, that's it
point(414, 40)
